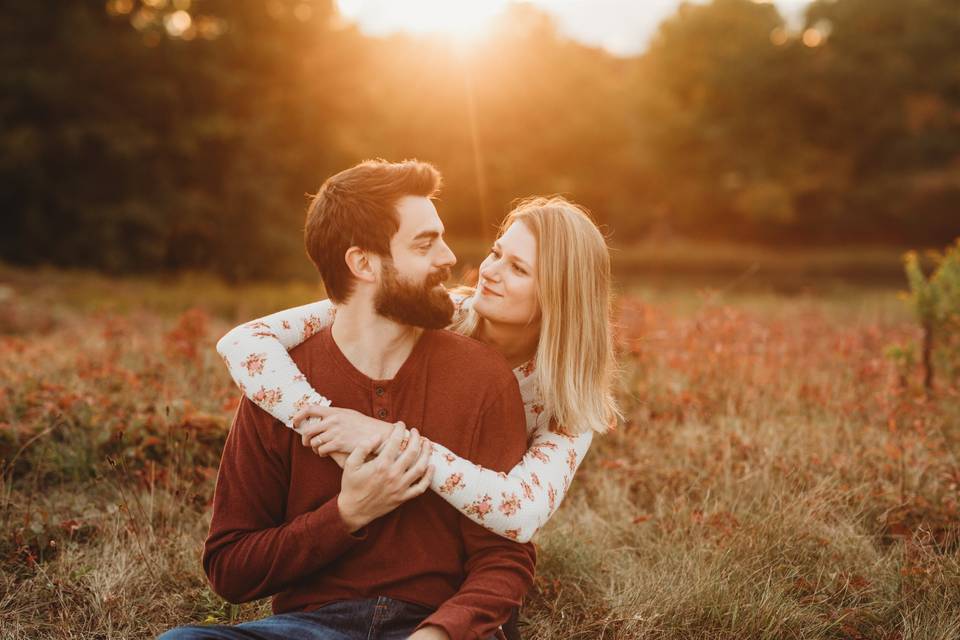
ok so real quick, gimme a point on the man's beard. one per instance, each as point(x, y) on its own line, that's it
point(425, 305)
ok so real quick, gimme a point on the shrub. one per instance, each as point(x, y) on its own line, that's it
point(936, 303)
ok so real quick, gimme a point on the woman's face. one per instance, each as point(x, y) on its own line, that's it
point(507, 290)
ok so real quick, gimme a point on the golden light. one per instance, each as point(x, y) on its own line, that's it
point(459, 19)
point(818, 33)
point(119, 7)
point(210, 28)
point(812, 38)
point(177, 23)
point(143, 18)
point(779, 36)
point(303, 12)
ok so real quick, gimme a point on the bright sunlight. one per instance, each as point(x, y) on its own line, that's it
point(458, 19)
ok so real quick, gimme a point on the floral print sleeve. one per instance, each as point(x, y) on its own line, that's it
point(256, 357)
point(514, 505)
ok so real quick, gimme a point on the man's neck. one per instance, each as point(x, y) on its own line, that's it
point(517, 343)
point(376, 346)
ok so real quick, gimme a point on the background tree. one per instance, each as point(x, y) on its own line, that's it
point(161, 135)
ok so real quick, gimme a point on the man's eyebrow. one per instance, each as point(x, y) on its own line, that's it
point(424, 235)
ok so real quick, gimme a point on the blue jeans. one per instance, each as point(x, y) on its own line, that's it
point(372, 619)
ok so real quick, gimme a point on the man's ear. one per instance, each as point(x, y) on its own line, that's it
point(363, 265)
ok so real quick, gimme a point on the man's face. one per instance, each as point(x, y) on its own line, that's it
point(411, 287)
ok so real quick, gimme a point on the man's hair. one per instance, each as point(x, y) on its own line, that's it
point(357, 208)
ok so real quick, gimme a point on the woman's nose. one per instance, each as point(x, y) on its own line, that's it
point(489, 271)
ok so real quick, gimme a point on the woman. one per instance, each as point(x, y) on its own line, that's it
point(542, 300)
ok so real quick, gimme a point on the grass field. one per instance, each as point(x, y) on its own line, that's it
point(777, 476)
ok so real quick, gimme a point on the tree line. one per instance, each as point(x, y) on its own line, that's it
point(162, 135)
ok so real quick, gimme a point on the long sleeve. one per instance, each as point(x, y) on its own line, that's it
point(517, 503)
point(499, 571)
point(256, 357)
point(520, 501)
point(250, 551)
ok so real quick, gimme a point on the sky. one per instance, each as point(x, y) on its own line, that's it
point(623, 27)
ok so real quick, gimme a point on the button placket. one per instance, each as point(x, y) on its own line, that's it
point(381, 402)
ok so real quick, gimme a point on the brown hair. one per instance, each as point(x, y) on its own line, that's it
point(356, 208)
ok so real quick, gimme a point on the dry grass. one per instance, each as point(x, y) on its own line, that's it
point(774, 479)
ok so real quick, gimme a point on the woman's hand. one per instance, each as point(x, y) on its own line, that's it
point(328, 430)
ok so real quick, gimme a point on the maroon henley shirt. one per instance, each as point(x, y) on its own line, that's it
point(276, 527)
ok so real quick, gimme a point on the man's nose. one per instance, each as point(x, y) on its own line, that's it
point(447, 257)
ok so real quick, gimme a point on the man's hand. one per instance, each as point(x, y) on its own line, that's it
point(372, 488)
point(430, 632)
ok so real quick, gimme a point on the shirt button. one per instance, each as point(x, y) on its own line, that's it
point(379, 391)
point(382, 413)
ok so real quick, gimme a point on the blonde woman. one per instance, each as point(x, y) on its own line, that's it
point(542, 300)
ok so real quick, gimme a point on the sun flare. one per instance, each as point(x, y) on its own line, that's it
point(459, 19)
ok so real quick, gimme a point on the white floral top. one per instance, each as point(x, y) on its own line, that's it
point(514, 505)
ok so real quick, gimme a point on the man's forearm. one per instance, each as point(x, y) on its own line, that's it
point(497, 579)
point(244, 565)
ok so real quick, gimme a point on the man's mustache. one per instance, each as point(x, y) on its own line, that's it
point(437, 278)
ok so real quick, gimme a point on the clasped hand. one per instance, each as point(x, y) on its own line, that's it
point(371, 488)
point(329, 430)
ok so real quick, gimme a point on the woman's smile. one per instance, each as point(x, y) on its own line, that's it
point(487, 291)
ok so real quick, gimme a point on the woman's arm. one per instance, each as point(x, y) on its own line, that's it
point(256, 357)
point(514, 504)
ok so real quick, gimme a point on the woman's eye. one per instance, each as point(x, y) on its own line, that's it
point(519, 270)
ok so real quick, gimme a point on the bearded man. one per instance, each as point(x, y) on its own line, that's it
point(364, 552)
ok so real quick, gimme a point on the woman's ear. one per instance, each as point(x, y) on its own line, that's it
point(363, 265)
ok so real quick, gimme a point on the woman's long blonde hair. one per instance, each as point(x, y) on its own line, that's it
point(574, 364)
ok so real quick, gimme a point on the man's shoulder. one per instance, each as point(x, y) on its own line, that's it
point(303, 353)
point(472, 358)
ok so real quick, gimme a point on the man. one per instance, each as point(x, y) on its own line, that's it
point(365, 552)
